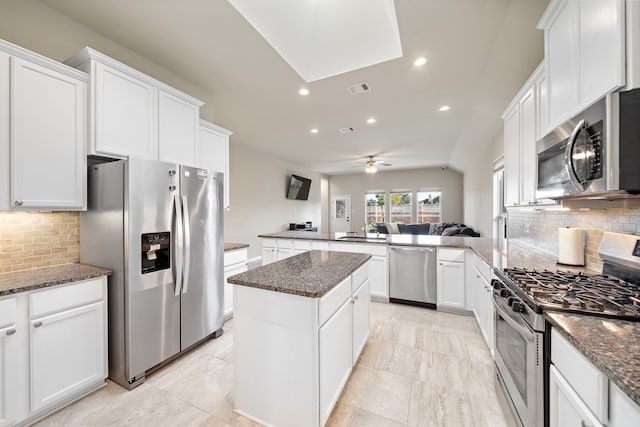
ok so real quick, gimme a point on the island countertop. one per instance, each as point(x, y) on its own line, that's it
point(309, 274)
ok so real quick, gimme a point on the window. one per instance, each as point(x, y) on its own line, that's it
point(401, 207)
point(429, 206)
point(374, 209)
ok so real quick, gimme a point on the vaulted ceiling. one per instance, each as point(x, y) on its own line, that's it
point(479, 53)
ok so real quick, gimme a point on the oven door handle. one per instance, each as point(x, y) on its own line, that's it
point(525, 332)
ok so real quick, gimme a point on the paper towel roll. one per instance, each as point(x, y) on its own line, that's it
point(571, 246)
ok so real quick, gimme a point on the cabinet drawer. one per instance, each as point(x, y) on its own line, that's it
point(285, 244)
point(485, 270)
point(332, 300)
point(65, 297)
point(7, 312)
point(268, 243)
point(320, 245)
point(585, 379)
point(359, 276)
point(235, 257)
point(301, 245)
point(451, 254)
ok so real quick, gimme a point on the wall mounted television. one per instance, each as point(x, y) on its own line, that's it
point(298, 188)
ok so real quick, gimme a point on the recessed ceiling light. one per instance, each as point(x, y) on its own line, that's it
point(444, 108)
point(371, 120)
point(420, 62)
point(314, 130)
point(304, 91)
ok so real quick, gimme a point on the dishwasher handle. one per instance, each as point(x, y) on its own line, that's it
point(427, 249)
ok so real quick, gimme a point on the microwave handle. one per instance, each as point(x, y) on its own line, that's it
point(568, 162)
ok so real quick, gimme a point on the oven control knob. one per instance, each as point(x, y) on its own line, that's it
point(510, 301)
point(505, 293)
point(496, 284)
point(518, 307)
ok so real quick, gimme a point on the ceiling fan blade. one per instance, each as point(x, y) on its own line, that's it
point(385, 164)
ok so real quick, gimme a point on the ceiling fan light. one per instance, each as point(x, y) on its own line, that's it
point(371, 169)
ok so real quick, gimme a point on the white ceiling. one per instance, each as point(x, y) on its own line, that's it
point(479, 54)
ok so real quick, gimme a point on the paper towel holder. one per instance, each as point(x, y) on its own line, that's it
point(571, 247)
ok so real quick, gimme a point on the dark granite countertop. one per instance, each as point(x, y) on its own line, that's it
point(234, 246)
point(309, 274)
point(612, 345)
point(29, 280)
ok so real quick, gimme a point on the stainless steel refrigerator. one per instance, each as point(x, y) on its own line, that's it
point(158, 227)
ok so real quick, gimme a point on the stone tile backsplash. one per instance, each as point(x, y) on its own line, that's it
point(539, 228)
point(31, 240)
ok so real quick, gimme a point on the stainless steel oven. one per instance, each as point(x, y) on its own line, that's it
point(519, 355)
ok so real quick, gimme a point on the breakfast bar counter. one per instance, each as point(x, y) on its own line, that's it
point(299, 326)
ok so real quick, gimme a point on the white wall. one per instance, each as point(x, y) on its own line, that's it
point(258, 201)
point(356, 185)
point(35, 26)
point(478, 186)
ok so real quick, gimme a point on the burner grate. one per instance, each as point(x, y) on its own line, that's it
point(561, 290)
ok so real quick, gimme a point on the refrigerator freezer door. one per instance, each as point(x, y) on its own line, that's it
point(202, 310)
point(152, 309)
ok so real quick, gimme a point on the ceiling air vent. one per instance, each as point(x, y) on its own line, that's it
point(359, 88)
point(347, 130)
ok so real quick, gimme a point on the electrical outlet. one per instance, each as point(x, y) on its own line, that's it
point(527, 229)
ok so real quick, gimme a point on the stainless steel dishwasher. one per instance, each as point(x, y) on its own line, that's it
point(412, 278)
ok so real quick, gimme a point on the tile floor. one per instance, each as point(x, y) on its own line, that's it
point(419, 367)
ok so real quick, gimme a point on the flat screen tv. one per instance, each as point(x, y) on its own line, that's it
point(298, 188)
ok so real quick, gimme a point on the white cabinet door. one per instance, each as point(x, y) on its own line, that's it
point(488, 313)
point(360, 319)
point(67, 353)
point(285, 253)
point(228, 287)
point(542, 108)
point(450, 282)
point(528, 164)
point(11, 355)
point(379, 278)
point(565, 407)
point(178, 130)
point(48, 138)
point(125, 115)
point(561, 62)
point(512, 157)
point(268, 255)
point(623, 412)
point(5, 134)
point(213, 153)
point(335, 358)
point(601, 29)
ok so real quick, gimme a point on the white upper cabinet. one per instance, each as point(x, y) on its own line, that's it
point(179, 129)
point(584, 52)
point(124, 114)
point(525, 121)
point(132, 114)
point(43, 132)
point(213, 152)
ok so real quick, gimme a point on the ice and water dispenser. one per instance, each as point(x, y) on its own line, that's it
point(156, 251)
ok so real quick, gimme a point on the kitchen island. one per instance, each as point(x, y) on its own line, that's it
point(299, 327)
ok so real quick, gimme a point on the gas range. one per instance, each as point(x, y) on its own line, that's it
point(600, 295)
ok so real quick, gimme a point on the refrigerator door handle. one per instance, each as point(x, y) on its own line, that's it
point(178, 247)
point(187, 243)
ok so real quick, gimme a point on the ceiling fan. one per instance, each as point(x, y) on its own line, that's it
point(371, 165)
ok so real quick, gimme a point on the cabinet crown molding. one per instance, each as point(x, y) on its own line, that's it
point(215, 128)
point(548, 14)
point(87, 54)
point(36, 58)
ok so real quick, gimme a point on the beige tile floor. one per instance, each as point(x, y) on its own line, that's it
point(419, 367)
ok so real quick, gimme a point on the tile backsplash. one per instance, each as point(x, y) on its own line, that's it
point(31, 240)
point(539, 228)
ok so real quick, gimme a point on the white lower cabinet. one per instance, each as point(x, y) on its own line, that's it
point(276, 250)
point(451, 278)
point(235, 262)
point(54, 352)
point(565, 406)
point(360, 301)
point(623, 412)
point(67, 353)
point(334, 346)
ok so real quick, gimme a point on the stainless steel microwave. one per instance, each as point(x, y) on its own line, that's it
point(594, 154)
